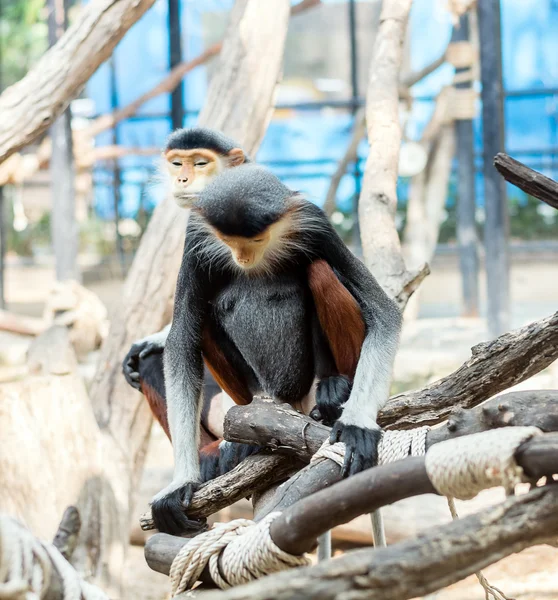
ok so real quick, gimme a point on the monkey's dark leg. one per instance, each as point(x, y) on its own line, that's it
point(339, 315)
point(333, 390)
point(152, 385)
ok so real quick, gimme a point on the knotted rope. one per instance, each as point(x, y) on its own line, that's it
point(394, 445)
point(458, 468)
point(463, 467)
point(26, 567)
point(236, 552)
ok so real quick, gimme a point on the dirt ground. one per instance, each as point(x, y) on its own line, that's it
point(432, 346)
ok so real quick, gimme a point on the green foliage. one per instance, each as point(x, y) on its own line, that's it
point(23, 37)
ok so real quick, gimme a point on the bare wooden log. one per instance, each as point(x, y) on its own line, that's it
point(526, 179)
point(536, 408)
point(493, 367)
point(30, 106)
point(286, 431)
point(378, 200)
point(421, 565)
point(252, 475)
point(296, 530)
point(300, 525)
point(282, 429)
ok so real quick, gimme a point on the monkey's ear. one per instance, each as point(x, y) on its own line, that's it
point(236, 157)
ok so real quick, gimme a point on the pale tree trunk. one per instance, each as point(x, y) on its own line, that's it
point(30, 106)
point(240, 101)
point(94, 458)
point(425, 211)
point(378, 200)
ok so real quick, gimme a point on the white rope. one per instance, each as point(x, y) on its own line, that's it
point(26, 567)
point(236, 552)
point(458, 468)
point(464, 466)
point(394, 445)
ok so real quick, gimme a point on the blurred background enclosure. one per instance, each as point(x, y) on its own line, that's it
point(324, 83)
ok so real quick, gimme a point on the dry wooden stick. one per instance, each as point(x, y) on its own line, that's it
point(539, 409)
point(526, 179)
point(419, 566)
point(494, 366)
point(296, 530)
point(254, 474)
point(378, 200)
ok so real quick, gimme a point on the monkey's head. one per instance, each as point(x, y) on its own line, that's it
point(248, 211)
point(194, 157)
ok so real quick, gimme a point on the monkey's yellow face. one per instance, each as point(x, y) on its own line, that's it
point(261, 251)
point(247, 253)
point(192, 170)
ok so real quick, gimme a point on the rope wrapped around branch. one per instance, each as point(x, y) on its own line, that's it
point(236, 552)
point(26, 566)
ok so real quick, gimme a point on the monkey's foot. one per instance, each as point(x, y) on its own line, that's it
point(139, 350)
point(361, 446)
point(169, 512)
point(331, 395)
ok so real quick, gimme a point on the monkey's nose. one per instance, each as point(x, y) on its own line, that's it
point(183, 180)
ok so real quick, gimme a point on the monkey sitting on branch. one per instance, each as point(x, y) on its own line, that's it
point(252, 303)
point(193, 158)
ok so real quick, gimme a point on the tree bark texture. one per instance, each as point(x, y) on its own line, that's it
point(419, 566)
point(30, 106)
point(288, 432)
point(531, 182)
point(299, 526)
point(378, 200)
point(245, 81)
point(493, 367)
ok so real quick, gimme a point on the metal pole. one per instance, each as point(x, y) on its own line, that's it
point(64, 228)
point(496, 229)
point(354, 108)
point(466, 222)
point(175, 57)
point(116, 175)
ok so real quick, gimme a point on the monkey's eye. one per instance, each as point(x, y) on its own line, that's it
point(258, 241)
point(176, 163)
point(200, 163)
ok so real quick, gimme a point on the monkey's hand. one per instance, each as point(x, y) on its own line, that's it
point(151, 344)
point(331, 395)
point(361, 444)
point(169, 506)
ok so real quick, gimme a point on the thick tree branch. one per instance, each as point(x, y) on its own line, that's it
point(526, 179)
point(296, 530)
point(288, 432)
point(252, 475)
point(418, 566)
point(493, 367)
point(30, 106)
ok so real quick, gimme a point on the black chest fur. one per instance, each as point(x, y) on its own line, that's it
point(267, 325)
